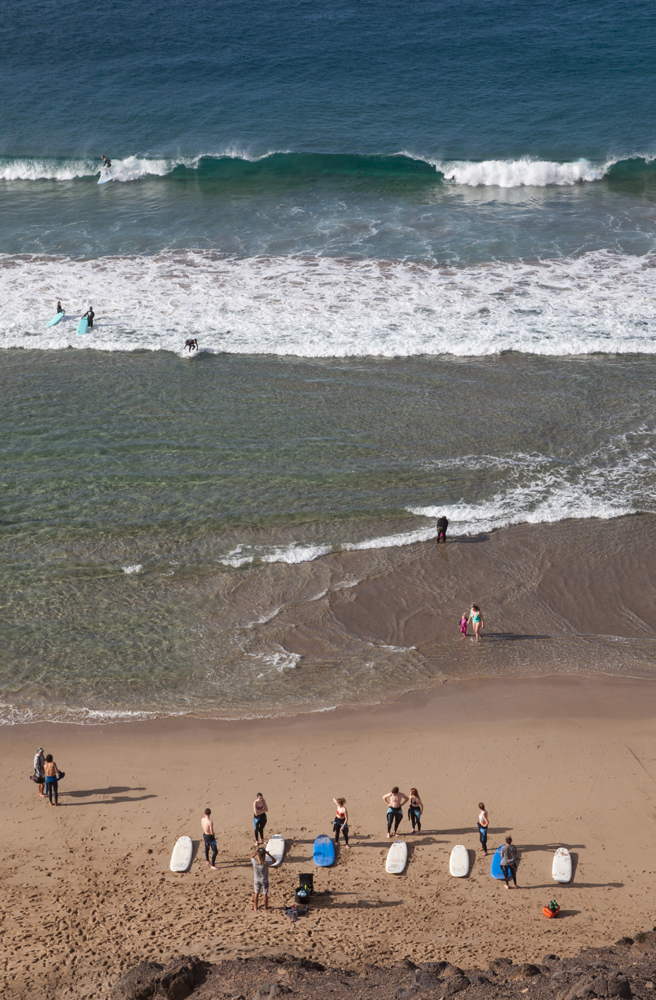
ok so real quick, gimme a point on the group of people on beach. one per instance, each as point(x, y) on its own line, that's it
point(395, 800)
point(47, 777)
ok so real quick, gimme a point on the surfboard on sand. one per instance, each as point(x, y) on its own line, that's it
point(459, 861)
point(495, 870)
point(56, 319)
point(561, 869)
point(397, 858)
point(324, 851)
point(182, 854)
point(276, 848)
point(82, 326)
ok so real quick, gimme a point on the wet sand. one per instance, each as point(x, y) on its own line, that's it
point(86, 890)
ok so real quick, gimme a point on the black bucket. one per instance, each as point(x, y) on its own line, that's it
point(302, 896)
point(307, 881)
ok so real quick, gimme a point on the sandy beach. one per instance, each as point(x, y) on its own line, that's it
point(87, 891)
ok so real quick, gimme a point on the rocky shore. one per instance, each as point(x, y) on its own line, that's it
point(626, 969)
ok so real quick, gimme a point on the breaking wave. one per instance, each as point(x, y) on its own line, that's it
point(238, 165)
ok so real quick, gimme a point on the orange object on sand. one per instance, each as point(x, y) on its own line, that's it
point(550, 913)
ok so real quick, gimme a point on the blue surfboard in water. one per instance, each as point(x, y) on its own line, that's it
point(82, 326)
point(56, 319)
point(495, 870)
point(324, 851)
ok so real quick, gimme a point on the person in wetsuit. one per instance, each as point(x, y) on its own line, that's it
point(106, 161)
point(192, 344)
point(89, 315)
point(59, 307)
point(442, 525)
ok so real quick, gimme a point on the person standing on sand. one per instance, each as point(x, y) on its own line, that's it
point(52, 776)
point(509, 862)
point(483, 827)
point(260, 810)
point(395, 800)
point(209, 838)
point(341, 822)
point(261, 861)
point(415, 810)
point(442, 525)
point(476, 618)
point(39, 772)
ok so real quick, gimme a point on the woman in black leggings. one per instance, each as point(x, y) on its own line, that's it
point(341, 821)
point(259, 817)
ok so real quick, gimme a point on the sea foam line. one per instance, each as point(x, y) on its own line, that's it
point(600, 302)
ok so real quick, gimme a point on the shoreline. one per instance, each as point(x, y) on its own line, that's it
point(359, 628)
point(558, 760)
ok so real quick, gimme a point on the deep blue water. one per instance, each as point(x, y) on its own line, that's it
point(465, 80)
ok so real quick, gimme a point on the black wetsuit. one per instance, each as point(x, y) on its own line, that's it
point(90, 316)
point(442, 525)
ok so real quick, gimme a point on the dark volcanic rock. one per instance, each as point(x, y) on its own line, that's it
point(181, 977)
point(595, 973)
point(644, 944)
point(619, 986)
point(525, 971)
point(500, 966)
point(455, 984)
point(139, 983)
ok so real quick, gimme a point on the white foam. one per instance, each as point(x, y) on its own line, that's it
point(524, 172)
point(136, 568)
point(326, 307)
point(605, 483)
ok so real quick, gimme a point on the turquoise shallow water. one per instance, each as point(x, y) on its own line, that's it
point(154, 511)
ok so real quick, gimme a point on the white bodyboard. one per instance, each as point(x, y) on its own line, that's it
point(397, 858)
point(276, 847)
point(182, 854)
point(459, 861)
point(561, 870)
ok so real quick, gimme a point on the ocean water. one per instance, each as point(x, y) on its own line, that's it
point(417, 247)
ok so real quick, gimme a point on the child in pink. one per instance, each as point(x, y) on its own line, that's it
point(463, 623)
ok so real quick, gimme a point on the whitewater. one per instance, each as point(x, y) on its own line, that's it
point(601, 302)
point(524, 171)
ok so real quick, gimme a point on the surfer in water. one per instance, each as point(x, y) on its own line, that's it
point(59, 307)
point(191, 344)
point(89, 315)
point(106, 162)
point(395, 800)
point(442, 525)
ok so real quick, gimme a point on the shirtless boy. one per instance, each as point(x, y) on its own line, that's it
point(394, 800)
point(209, 838)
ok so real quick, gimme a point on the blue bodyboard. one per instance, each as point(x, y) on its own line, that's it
point(82, 326)
point(324, 851)
point(56, 319)
point(495, 870)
